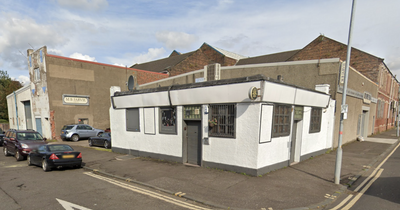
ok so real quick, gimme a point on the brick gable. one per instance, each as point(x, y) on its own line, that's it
point(324, 47)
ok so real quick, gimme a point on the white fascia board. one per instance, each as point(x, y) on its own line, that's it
point(309, 98)
point(232, 93)
point(141, 100)
point(278, 93)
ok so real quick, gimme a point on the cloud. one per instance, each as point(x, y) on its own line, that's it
point(176, 40)
point(24, 80)
point(82, 57)
point(152, 54)
point(91, 5)
point(19, 34)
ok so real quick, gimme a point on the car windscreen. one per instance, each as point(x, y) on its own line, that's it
point(53, 148)
point(67, 127)
point(29, 136)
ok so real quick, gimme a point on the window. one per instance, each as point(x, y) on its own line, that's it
point(132, 120)
point(168, 120)
point(222, 120)
point(36, 74)
point(315, 120)
point(281, 120)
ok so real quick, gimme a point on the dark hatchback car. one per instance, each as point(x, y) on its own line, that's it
point(21, 142)
point(104, 140)
point(52, 156)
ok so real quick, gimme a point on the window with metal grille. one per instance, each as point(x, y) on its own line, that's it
point(168, 120)
point(281, 120)
point(315, 120)
point(132, 120)
point(222, 120)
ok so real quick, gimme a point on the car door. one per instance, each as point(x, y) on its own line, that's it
point(81, 130)
point(36, 156)
point(12, 142)
point(90, 131)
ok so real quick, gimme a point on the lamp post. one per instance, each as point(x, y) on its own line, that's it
point(343, 114)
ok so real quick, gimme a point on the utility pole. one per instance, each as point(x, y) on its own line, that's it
point(343, 114)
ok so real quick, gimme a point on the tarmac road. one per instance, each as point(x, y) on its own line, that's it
point(29, 187)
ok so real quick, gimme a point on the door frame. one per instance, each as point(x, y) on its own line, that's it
point(185, 145)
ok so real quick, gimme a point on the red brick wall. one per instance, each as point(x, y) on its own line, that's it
point(194, 62)
point(324, 47)
point(147, 76)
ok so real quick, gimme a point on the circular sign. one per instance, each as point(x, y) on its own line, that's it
point(253, 93)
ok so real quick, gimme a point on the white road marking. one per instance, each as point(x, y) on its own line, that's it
point(70, 206)
point(146, 192)
point(366, 180)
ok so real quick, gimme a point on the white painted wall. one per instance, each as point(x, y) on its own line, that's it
point(22, 94)
point(166, 144)
point(242, 150)
point(271, 150)
point(313, 142)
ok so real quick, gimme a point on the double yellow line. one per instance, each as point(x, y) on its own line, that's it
point(376, 174)
point(147, 192)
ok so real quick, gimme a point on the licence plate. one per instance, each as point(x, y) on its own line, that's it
point(68, 156)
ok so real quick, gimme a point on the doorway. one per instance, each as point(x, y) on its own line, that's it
point(193, 142)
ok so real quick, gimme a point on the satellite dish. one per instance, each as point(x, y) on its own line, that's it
point(131, 83)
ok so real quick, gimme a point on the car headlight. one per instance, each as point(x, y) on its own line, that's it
point(25, 146)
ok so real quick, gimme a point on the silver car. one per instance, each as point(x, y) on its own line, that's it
point(79, 131)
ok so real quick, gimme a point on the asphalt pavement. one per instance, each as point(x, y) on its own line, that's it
point(306, 185)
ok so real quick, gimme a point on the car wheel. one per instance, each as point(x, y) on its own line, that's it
point(28, 159)
point(90, 143)
point(75, 137)
point(18, 155)
point(45, 166)
point(99, 134)
point(5, 150)
point(106, 144)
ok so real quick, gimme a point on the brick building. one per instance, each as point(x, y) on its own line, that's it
point(370, 66)
point(178, 63)
point(66, 91)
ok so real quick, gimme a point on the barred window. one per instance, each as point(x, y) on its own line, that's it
point(168, 120)
point(315, 121)
point(281, 120)
point(222, 120)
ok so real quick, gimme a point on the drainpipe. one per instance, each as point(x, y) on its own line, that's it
point(16, 108)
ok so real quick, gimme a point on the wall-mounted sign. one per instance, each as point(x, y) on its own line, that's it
point(253, 93)
point(367, 98)
point(298, 113)
point(75, 100)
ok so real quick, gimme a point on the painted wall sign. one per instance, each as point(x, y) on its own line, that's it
point(75, 100)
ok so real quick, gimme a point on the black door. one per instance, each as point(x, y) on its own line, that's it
point(194, 142)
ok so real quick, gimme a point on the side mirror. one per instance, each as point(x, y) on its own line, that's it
point(44, 139)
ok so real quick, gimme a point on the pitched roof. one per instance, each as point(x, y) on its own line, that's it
point(163, 64)
point(270, 58)
point(227, 53)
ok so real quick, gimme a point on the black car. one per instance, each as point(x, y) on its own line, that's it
point(104, 140)
point(55, 156)
point(21, 142)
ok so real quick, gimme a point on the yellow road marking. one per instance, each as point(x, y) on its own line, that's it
point(146, 192)
point(366, 180)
